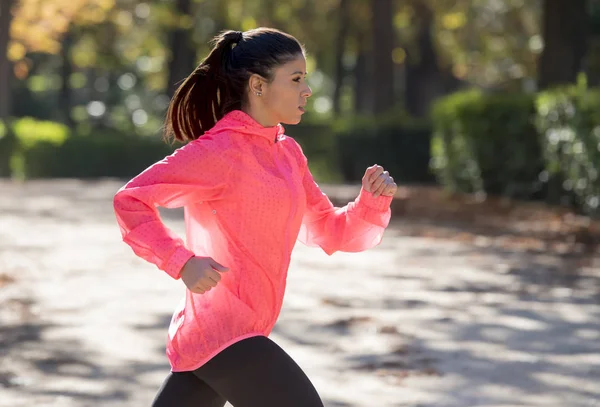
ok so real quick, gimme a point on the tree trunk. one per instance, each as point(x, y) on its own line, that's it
point(362, 89)
point(5, 65)
point(66, 72)
point(423, 76)
point(565, 29)
point(383, 45)
point(592, 58)
point(593, 62)
point(340, 47)
point(183, 55)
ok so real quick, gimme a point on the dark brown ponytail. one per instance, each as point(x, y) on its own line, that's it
point(218, 85)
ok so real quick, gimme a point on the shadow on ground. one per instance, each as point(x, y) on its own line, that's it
point(31, 362)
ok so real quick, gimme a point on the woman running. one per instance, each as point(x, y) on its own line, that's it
point(248, 196)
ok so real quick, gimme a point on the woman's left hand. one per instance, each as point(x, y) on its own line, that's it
point(378, 181)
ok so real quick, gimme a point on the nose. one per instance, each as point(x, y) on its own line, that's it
point(307, 92)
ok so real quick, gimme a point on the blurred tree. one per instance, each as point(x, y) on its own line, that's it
point(363, 56)
point(383, 46)
point(39, 25)
point(182, 52)
point(362, 89)
point(423, 75)
point(565, 27)
point(5, 65)
point(66, 98)
point(41, 48)
point(343, 26)
point(592, 60)
point(360, 53)
point(488, 43)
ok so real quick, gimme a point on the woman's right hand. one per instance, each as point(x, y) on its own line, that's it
point(201, 274)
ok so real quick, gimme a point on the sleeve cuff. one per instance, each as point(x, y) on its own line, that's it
point(177, 260)
point(367, 200)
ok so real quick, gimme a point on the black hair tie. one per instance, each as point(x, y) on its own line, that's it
point(239, 36)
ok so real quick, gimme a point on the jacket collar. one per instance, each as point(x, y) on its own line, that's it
point(241, 122)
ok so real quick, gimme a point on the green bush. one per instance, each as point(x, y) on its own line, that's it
point(487, 143)
point(569, 121)
point(42, 149)
point(398, 143)
point(24, 134)
point(30, 132)
point(337, 151)
point(8, 142)
point(94, 155)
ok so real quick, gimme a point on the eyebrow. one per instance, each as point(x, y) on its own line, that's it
point(298, 72)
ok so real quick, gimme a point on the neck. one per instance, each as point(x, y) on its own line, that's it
point(260, 116)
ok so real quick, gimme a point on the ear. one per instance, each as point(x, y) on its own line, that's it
point(256, 83)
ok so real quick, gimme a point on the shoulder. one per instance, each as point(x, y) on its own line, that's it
point(203, 156)
point(295, 150)
point(293, 146)
point(213, 146)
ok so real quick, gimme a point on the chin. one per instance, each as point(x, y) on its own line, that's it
point(292, 120)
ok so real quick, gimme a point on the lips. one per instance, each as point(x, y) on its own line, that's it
point(301, 108)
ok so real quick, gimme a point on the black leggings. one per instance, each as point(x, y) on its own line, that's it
point(254, 372)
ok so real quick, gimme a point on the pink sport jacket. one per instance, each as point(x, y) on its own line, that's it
point(248, 195)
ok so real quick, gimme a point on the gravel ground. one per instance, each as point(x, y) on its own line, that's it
point(413, 322)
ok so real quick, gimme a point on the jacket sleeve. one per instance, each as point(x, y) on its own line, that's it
point(195, 172)
point(356, 227)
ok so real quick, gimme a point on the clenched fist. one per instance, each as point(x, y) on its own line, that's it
point(201, 274)
point(378, 182)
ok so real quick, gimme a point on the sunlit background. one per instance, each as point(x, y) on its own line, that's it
point(461, 93)
point(453, 89)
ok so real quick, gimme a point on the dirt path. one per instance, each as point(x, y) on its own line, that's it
point(413, 322)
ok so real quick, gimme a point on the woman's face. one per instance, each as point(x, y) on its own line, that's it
point(284, 99)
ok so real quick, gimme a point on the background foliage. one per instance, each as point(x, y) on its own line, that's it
point(477, 95)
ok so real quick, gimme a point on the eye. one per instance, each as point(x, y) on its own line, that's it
point(297, 79)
